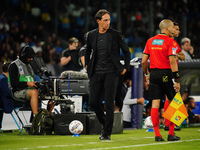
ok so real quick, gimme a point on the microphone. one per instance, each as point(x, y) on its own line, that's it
point(170, 32)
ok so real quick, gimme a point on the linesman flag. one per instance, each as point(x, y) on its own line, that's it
point(176, 112)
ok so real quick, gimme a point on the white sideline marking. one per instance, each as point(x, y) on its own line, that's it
point(128, 146)
point(43, 146)
point(25, 148)
point(139, 145)
point(60, 145)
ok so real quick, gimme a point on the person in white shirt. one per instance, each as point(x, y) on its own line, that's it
point(37, 48)
point(186, 46)
point(188, 51)
point(126, 108)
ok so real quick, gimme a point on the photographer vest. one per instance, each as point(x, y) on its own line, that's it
point(25, 71)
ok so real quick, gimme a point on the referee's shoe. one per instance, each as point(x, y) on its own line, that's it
point(173, 138)
point(158, 139)
point(177, 128)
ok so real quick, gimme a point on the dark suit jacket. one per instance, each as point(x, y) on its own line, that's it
point(115, 43)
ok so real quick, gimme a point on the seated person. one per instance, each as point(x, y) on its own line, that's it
point(122, 90)
point(5, 98)
point(193, 118)
point(186, 121)
point(147, 103)
point(126, 108)
point(7, 103)
point(21, 79)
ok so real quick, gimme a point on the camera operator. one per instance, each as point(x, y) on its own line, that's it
point(22, 81)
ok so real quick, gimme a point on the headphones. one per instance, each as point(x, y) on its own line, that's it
point(23, 50)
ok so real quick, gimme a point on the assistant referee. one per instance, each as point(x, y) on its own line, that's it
point(161, 49)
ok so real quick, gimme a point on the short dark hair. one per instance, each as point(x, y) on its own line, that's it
point(188, 100)
point(5, 66)
point(100, 13)
point(127, 76)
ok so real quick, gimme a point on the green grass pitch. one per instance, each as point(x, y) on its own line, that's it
point(129, 140)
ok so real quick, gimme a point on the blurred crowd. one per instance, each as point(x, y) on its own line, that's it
point(137, 24)
point(70, 16)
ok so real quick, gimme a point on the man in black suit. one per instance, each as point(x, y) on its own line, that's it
point(103, 66)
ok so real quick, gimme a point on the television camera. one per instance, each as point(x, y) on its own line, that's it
point(58, 89)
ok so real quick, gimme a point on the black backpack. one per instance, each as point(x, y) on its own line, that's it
point(42, 123)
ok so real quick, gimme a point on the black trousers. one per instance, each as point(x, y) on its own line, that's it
point(105, 84)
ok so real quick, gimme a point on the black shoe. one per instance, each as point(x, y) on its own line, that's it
point(158, 139)
point(104, 136)
point(173, 138)
point(166, 128)
point(177, 128)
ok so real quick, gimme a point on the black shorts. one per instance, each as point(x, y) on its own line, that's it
point(161, 84)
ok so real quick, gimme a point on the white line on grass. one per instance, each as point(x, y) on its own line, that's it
point(106, 141)
point(60, 145)
point(43, 147)
point(128, 146)
point(140, 145)
point(25, 148)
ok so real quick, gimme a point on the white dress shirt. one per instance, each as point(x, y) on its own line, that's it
point(126, 108)
point(187, 56)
